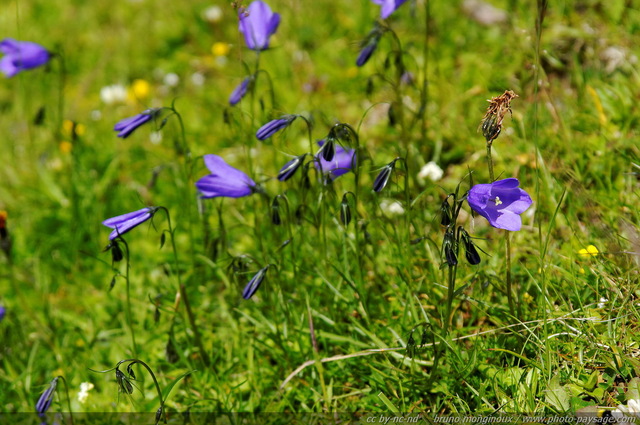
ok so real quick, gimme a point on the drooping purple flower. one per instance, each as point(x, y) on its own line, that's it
point(3, 311)
point(387, 7)
point(341, 163)
point(290, 168)
point(21, 55)
point(366, 52)
point(254, 283)
point(273, 126)
point(123, 223)
point(500, 202)
point(224, 180)
point(240, 91)
point(128, 125)
point(45, 400)
point(258, 23)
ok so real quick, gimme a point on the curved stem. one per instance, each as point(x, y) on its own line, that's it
point(155, 381)
point(510, 299)
point(66, 388)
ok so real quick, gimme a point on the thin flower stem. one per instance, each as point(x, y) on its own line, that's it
point(155, 381)
point(128, 291)
point(183, 294)
point(66, 388)
point(450, 294)
point(490, 162)
point(509, 289)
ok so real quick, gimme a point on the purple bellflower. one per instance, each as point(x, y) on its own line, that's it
point(258, 23)
point(341, 163)
point(387, 7)
point(21, 55)
point(273, 126)
point(45, 400)
point(240, 91)
point(123, 223)
point(500, 202)
point(3, 311)
point(224, 180)
point(128, 125)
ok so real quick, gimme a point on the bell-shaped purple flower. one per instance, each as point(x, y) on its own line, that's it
point(21, 55)
point(500, 202)
point(240, 91)
point(273, 126)
point(3, 311)
point(224, 180)
point(387, 7)
point(45, 400)
point(258, 23)
point(128, 125)
point(123, 223)
point(342, 162)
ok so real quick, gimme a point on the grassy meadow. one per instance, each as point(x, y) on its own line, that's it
point(362, 315)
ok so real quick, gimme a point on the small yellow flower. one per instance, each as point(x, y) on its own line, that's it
point(71, 129)
point(65, 147)
point(220, 49)
point(588, 251)
point(140, 89)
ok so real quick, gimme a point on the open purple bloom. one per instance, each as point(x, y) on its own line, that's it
point(21, 55)
point(500, 202)
point(273, 126)
point(224, 180)
point(258, 23)
point(45, 400)
point(388, 7)
point(123, 223)
point(341, 163)
point(240, 91)
point(128, 125)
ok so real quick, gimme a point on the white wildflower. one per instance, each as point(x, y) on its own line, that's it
point(631, 410)
point(391, 207)
point(197, 79)
point(83, 394)
point(171, 79)
point(115, 93)
point(602, 302)
point(430, 171)
point(212, 14)
point(155, 137)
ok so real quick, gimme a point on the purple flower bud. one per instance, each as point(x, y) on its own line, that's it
point(123, 223)
point(254, 283)
point(366, 52)
point(21, 55)
point(45, 400)
point(3, 311)
point(240, 91)
point(383, 177)
point(224, 180)
point(257, 24)
point(500, 202)
point(343, 161)
point(128, 125)
point(290, 168)
point(388, 7)
point(273, 126)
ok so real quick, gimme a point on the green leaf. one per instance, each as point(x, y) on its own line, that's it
point(168, 388)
